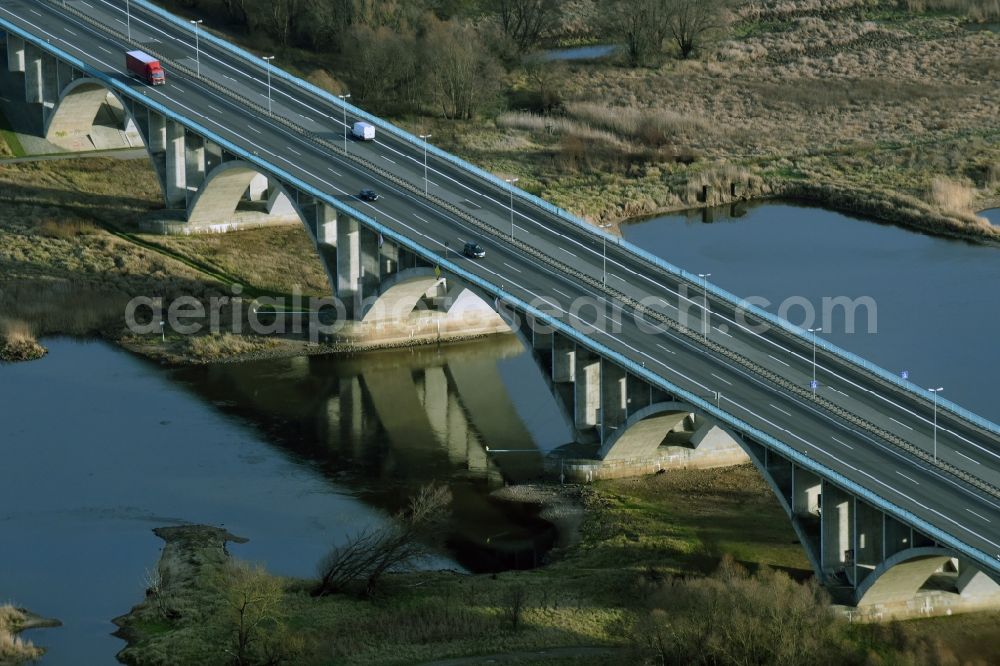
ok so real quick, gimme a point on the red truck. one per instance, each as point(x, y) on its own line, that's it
point(145, 66)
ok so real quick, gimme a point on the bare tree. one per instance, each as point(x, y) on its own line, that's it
point(254, 616)
point(386, 75)
point(525, 21)
point(368, 555)
point(690, 23)
point(640, 24)
point(462, 77)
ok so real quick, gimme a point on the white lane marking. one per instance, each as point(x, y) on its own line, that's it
point(561, 292)
point(567, 251)
point(669, 351)
point(422, 219)
point(292, 150)
point(121, 21)
point(665, 303)
point(968, 458)
point(109, 51)
point(780, 409)
point(69, 31)
point(924, 506)
point(513, 268)
point(750, 411)
point(901, 423)
point(432, 183)
point(981, 517)
point(908, 478)
point(958, 435)
point(840, 392)
point(387, 159)
point(842, 442)
point(34, 12)
point(779, 360)
point(724, 381)
point(723, 332)
point(332, 170)
point(84, 2)
point(255, 129)
point(219, 111)
point(177, 88)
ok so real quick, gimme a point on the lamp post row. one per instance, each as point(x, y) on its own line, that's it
point(510, 182)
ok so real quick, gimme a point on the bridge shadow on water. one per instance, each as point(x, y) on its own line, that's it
point(384, 424)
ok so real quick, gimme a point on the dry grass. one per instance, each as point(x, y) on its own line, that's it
point(214, 347)
point(977, 10)
point(14, 650)
point(845, 96)
point(65, 229)
point(951, 195)
point(280, 259)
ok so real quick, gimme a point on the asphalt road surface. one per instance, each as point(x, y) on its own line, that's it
point(969, 516)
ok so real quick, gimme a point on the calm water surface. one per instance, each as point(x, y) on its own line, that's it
point(938, 300)
point(991, 214)
point(99, 447)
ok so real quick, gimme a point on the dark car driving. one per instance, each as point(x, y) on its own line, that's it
point(368, 195)
point(473, 250)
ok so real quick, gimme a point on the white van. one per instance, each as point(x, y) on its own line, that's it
point(363, 131)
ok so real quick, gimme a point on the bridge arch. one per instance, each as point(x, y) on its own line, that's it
point(402, 293)
point(899, 577)
point(645, 430)
point(76, 110)
point(219, 196)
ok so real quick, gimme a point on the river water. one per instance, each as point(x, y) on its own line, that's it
point(99, 447)
point(936, 316)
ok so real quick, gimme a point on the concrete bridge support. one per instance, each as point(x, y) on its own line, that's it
point(206, 189)
point(623, 421)
point(872, 562)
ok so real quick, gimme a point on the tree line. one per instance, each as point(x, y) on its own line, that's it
point(450, 57)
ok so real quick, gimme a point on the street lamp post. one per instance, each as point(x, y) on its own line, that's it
point(197, 45)
point(814, 331)
point(510, 183)
point(935, 391)
point(425, 137)
point(604, 253)
point(268, 60)
point(128, 20)
point(345, 97)
point(704, 285)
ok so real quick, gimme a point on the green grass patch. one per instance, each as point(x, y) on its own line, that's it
point(9, 137)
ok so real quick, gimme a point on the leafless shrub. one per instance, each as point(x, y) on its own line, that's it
point(370, 554)
point(515, 600)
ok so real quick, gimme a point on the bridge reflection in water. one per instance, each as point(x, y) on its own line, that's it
point(385, 423)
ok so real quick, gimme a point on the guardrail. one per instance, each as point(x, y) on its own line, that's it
point(564, 268)
point(446, 264)
point(797, 332)
point(721, 350)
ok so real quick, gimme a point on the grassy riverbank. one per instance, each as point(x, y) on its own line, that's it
point(637, 538)
point(71, 259)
